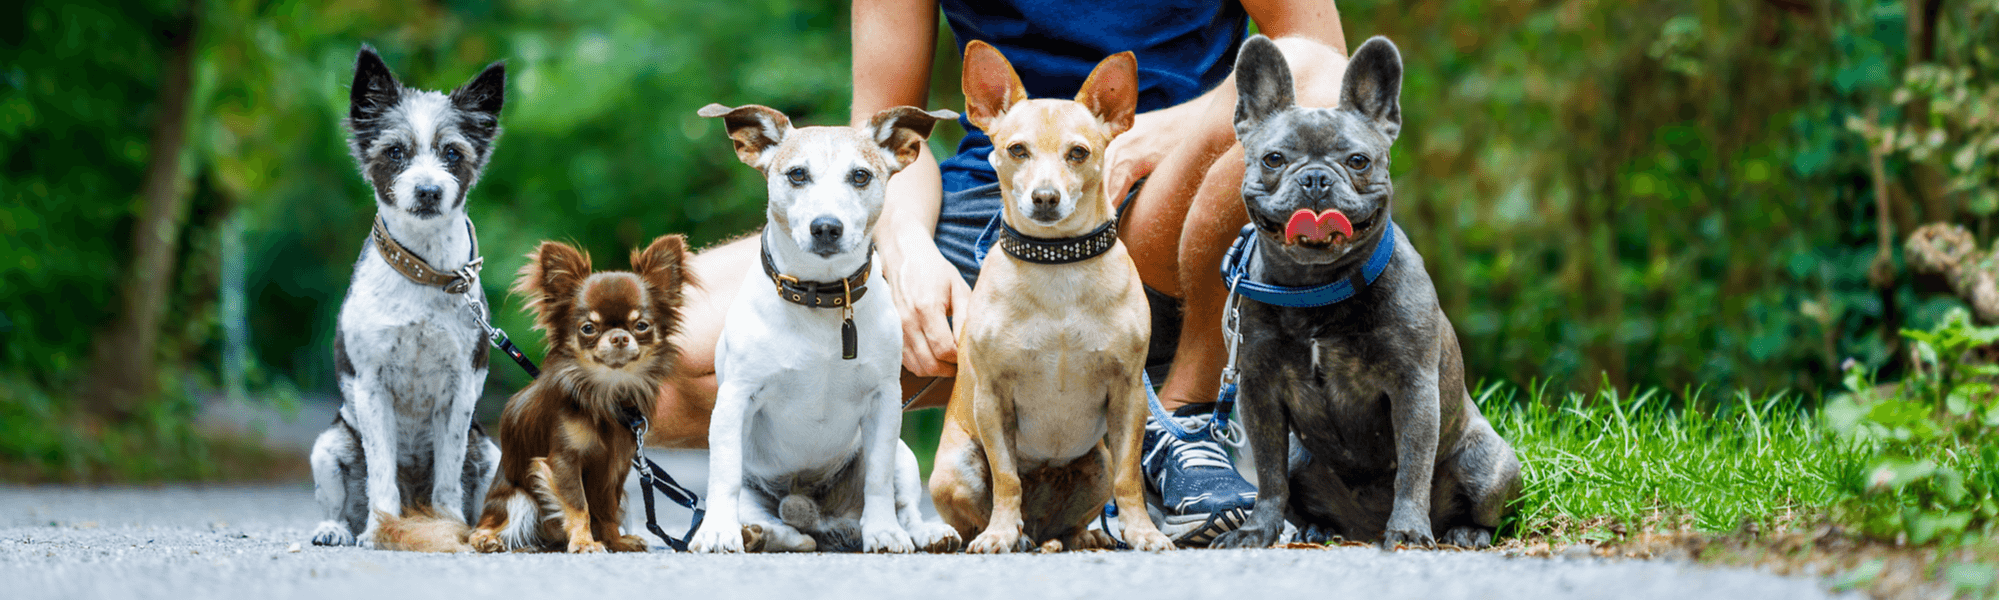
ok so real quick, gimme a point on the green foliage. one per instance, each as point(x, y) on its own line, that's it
point(1931, 442)
point(1669, 192)
point(1665, 461)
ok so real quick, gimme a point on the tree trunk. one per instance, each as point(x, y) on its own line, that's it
point(122, 372)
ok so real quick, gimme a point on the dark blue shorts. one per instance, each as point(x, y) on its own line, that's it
point(968, 223)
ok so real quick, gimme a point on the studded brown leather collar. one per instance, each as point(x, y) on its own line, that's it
point(415, 269)
point(840, 293)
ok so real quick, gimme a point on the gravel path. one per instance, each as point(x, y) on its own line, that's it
point(248, 542)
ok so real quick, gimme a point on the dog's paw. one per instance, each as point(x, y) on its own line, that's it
point(1247, 537)
point(717, 537)
point(626, 543)
point(332, 533)
point(1314, 534)
point(1148, 540)
point(486, 540)
point(936, 538)
point(1469, 537)
point(1090, 539)
point(583, 546)
point(997, 542)
point(1418, 536)
point(889, 539)
point(367, 538)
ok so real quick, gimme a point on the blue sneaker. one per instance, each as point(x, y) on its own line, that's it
point(1199, 493)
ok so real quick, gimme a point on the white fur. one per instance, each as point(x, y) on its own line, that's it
point(413, 390)
point(788, 403)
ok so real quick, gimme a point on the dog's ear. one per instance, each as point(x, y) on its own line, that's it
point(550, 281)
point(1373, 85)
point(990, 84)
point(481, 99)
point(375, 88)
point(901, 131)
point(753, 129)
point(1263, 83)
point(485, 92)
point(663, 266)
point(1112, 91)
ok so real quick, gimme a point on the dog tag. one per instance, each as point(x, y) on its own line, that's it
point(848, 343)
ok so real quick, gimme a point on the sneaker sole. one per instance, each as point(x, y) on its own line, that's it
point(1199, 530)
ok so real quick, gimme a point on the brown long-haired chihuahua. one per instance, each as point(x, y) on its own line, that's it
point(565, 447)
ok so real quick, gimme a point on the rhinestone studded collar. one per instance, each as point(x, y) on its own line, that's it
point(1057, 251)
point(415, 269)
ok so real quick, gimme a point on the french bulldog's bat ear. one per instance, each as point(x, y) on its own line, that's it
point(1263, 83)
point(485, 92)
point(1373, 85)
point(901, 131)
point(990, 84)
point(752, 128)
point(550, 280)
point(663, 266)
point(1112, 91)
point(375, 88)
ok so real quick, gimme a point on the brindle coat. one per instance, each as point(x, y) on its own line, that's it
point(1389, 444)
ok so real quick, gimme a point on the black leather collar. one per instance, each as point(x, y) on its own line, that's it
point(839, 293)
point(1058, 251)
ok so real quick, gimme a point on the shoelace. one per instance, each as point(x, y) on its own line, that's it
point(1189, 455)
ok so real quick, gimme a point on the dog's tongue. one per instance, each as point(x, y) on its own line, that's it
point(1308, 227)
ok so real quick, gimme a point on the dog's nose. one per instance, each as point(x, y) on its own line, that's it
point(429, 194)
point(826, 230)
point(620, 339)
point(1315, 182)
point(1045, 198)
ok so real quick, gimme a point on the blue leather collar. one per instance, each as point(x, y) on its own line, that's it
point(1236, 266)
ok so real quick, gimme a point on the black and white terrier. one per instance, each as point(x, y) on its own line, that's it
point(411, 359)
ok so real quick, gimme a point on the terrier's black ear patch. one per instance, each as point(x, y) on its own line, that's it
point(1373, 85)
point(485, 93)
point(1263, 83)
point(375, 88)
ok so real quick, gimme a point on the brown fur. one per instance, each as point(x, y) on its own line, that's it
point(1029, 382)
point(563, 439)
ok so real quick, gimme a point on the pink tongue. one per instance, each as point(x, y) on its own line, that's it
point(1305, 226)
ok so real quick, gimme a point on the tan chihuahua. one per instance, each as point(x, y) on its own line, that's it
point(1048, 412)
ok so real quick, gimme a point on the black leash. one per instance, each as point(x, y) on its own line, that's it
point(653, 477)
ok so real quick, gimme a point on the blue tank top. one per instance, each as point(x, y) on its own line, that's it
point(1184, 48)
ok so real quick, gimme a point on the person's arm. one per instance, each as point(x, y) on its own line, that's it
point(1313, 27)
point(893, 42)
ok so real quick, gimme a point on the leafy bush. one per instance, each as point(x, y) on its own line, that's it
point(1930, 472)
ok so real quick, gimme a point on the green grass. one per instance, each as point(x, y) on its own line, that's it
point(1676, 461)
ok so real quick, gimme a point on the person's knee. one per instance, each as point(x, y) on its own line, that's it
point(1316, 70)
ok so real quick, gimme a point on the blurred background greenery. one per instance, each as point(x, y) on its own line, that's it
point(1645, 194)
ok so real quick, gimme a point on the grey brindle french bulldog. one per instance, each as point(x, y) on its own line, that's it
point(1365, 397)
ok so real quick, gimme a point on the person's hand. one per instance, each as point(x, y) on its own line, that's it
point(1135, 153)
point(931, 297)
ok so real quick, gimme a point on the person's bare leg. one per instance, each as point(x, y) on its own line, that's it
point(680, 418)
point(1210, 214)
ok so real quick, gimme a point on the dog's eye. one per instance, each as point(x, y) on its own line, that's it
point(1274, 160)
point(1357, 162)
point(860, 177)
point(394, 153)
point(641, 326)
point(798, 176)
point(451, 156)
point(588, 329)
point(1018, 151)
point(1077, 154)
